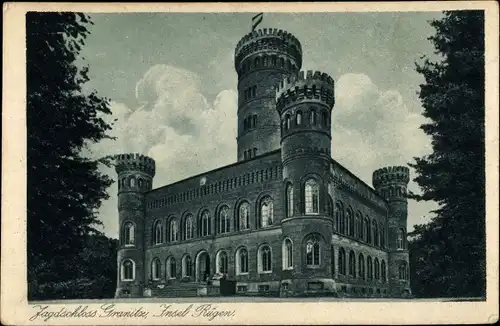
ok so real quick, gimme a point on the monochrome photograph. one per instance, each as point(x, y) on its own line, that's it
point(181, 164)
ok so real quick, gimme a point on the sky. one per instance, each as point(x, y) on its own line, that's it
point(173, 89)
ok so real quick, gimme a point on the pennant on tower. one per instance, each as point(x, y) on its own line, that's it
point(256, 20)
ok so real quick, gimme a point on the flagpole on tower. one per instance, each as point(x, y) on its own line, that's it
point(256, 20)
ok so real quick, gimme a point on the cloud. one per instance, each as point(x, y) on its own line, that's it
point(175, 125)
point(373, 128)
point(186, 134)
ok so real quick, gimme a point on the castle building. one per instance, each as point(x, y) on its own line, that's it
point(286, 218)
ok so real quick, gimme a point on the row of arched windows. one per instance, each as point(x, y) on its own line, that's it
point(133, 182)
point(373, 269)
point(354, 225)
point(311, 119)
point(224, 222)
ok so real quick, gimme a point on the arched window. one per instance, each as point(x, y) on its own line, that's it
point(368, 232)
point(311, 193)
point(188, 227)
point(141, 183)
point(377, 269)
point(222, 262)
point(384, 274)
point(312, 253)
point(128, 270)
point(241, 261)
point(361, 266)
point(244, 216)
point(266, 212)
point(187, 266)
point(339, 213)
point(287, 119)
point(289, 200)
point(171, 268)
point(400, 239)
point(369, 267)
point(205, 224)
point(157, 233)
point(403, 271)
point(155, 269)
point(375, 232)
point(128, 234)
point(257, 62)
point(349, 223)
point(287, 254)
point(224, 220)
point(359, 225)
point(174, 231)
point(254, 120)
point(132, 182)
point(298, 118)
point(264, 259)
point(312, 118)
point(342, 261)
point(352, 264)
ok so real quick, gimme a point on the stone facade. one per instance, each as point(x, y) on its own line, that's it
point(285, 219)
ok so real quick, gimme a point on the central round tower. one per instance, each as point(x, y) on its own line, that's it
point(262, 59)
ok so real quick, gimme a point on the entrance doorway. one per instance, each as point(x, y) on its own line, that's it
point(202, 267)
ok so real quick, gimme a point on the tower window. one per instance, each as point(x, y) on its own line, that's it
point(312, 253)
point(312, 118)
point(128, 234)
point(287, 254)
point(399, 239)
point(298, 118)
point(311, 197)
point(289, 200)
point(287, 118)
point(254, 121)
point(403, 271)
point(255, 152)
point(128, 270)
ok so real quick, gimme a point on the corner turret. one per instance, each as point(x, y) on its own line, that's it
point(391, 183)
point(135, 178)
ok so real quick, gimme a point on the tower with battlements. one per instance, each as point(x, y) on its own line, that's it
point(391, 183)
point(135, 178)
point(262, 59)
point(304, 103)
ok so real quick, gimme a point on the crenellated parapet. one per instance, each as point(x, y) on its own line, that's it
point(391, 182)
point(134, 162)
point(272, 44)
point(310, 86)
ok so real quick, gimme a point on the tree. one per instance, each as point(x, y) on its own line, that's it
point(65, 189)
point(448, 254)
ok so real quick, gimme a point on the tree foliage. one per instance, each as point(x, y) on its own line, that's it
point(448, 254)
point(65, 189)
